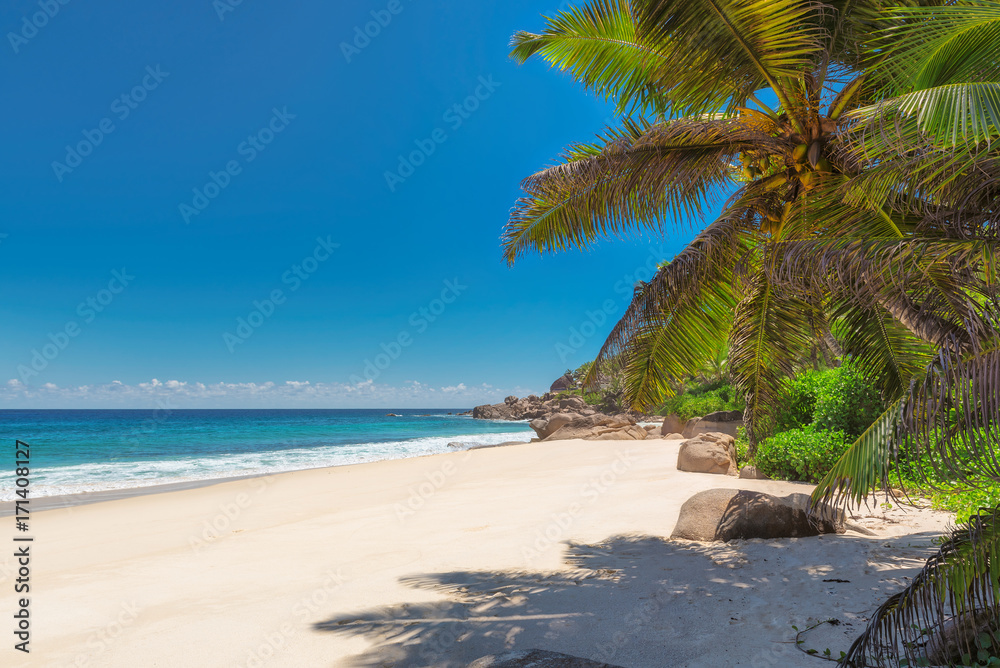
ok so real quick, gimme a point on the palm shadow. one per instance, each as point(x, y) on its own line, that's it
point(626, 601)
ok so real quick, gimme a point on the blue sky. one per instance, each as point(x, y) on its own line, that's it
point(223, 155)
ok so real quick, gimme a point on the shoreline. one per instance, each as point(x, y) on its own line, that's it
point(57, 501)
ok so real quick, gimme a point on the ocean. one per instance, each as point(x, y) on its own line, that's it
point(75, 451)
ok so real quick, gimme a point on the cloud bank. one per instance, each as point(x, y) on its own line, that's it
point(287, 394)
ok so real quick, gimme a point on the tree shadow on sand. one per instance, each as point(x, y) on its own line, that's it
point(627, 601)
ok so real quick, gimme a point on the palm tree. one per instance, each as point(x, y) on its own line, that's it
point(862, 220)
point(688, 77)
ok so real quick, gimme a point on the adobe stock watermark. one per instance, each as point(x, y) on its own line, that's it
point(433, 482)
point(31, 24)
point(420, 320)
point(585, 330)
point(248, 150)
point(88, 311)
point(215, 528)
point(559, 525)
point(455, 117)
point(223, 7)
point(293, 278)
point(635, 621)
point(363, 35)
point(121, 108)
point(309, 605)
point(101, 640)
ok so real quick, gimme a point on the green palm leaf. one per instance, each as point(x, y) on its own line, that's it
point(680, 318)
point(772, 331)
point(636, 178)
point(865, 465)
point(936, 46)
point(598, 44)
point(741, 45)
point(951, 115)
point(881, 348)
point(949, 610)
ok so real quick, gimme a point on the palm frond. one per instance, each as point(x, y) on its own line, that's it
point(883, 350)
point(770, 334)
point(948, 612)
point(939, 45)
point(679, 319)
point(865, 465)
point(599, 45)
point(735, 45)
point(949, 419)
point(952, 115)
point(637, 177)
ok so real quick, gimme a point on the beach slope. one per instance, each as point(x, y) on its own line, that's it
point(438, 560)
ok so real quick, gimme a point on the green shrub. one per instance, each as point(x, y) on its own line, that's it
point(800, 400)
point(701, 400)
point(742, 446)
point(805, 454)
point(837, 399)
point(847, 402)
point(965, 501)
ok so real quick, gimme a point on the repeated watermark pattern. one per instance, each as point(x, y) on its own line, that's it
point(248, 150)
point(121, 108)
point(364, 34)
point(454, 117)
point(419, 321)
point(278, 639)
point(101, 640)
point(590, 325)
point(223, 7)
point(433, 482)
point(556, 530)
point(293, 278)
point(88, 311)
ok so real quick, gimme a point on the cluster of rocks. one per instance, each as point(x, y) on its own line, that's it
point(557, 418)
point(529, 408)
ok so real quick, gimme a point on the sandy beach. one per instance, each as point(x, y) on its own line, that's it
point(438, 560)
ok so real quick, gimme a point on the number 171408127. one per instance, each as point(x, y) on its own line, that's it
point(22, 481)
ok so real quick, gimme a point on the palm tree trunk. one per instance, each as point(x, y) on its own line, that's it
point(925, 326)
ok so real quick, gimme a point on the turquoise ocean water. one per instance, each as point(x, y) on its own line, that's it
point(75, 451)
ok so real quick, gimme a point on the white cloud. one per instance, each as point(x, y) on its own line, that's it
point(287, 394)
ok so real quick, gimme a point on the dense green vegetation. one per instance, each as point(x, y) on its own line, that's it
point(702, 399)
point(823, 412)
point(804, 453)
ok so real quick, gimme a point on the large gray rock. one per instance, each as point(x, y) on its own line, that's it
point(536, 658)
point(725, 422)
point(545, 427)
point(689, 427)
point(493, 412)
point(572, 403)
point(672, 425)
point(600, 428)
point(724, 416)
point(729, 514)
point(708, 453)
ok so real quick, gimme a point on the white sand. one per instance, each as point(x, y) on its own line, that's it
point(557, 546)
